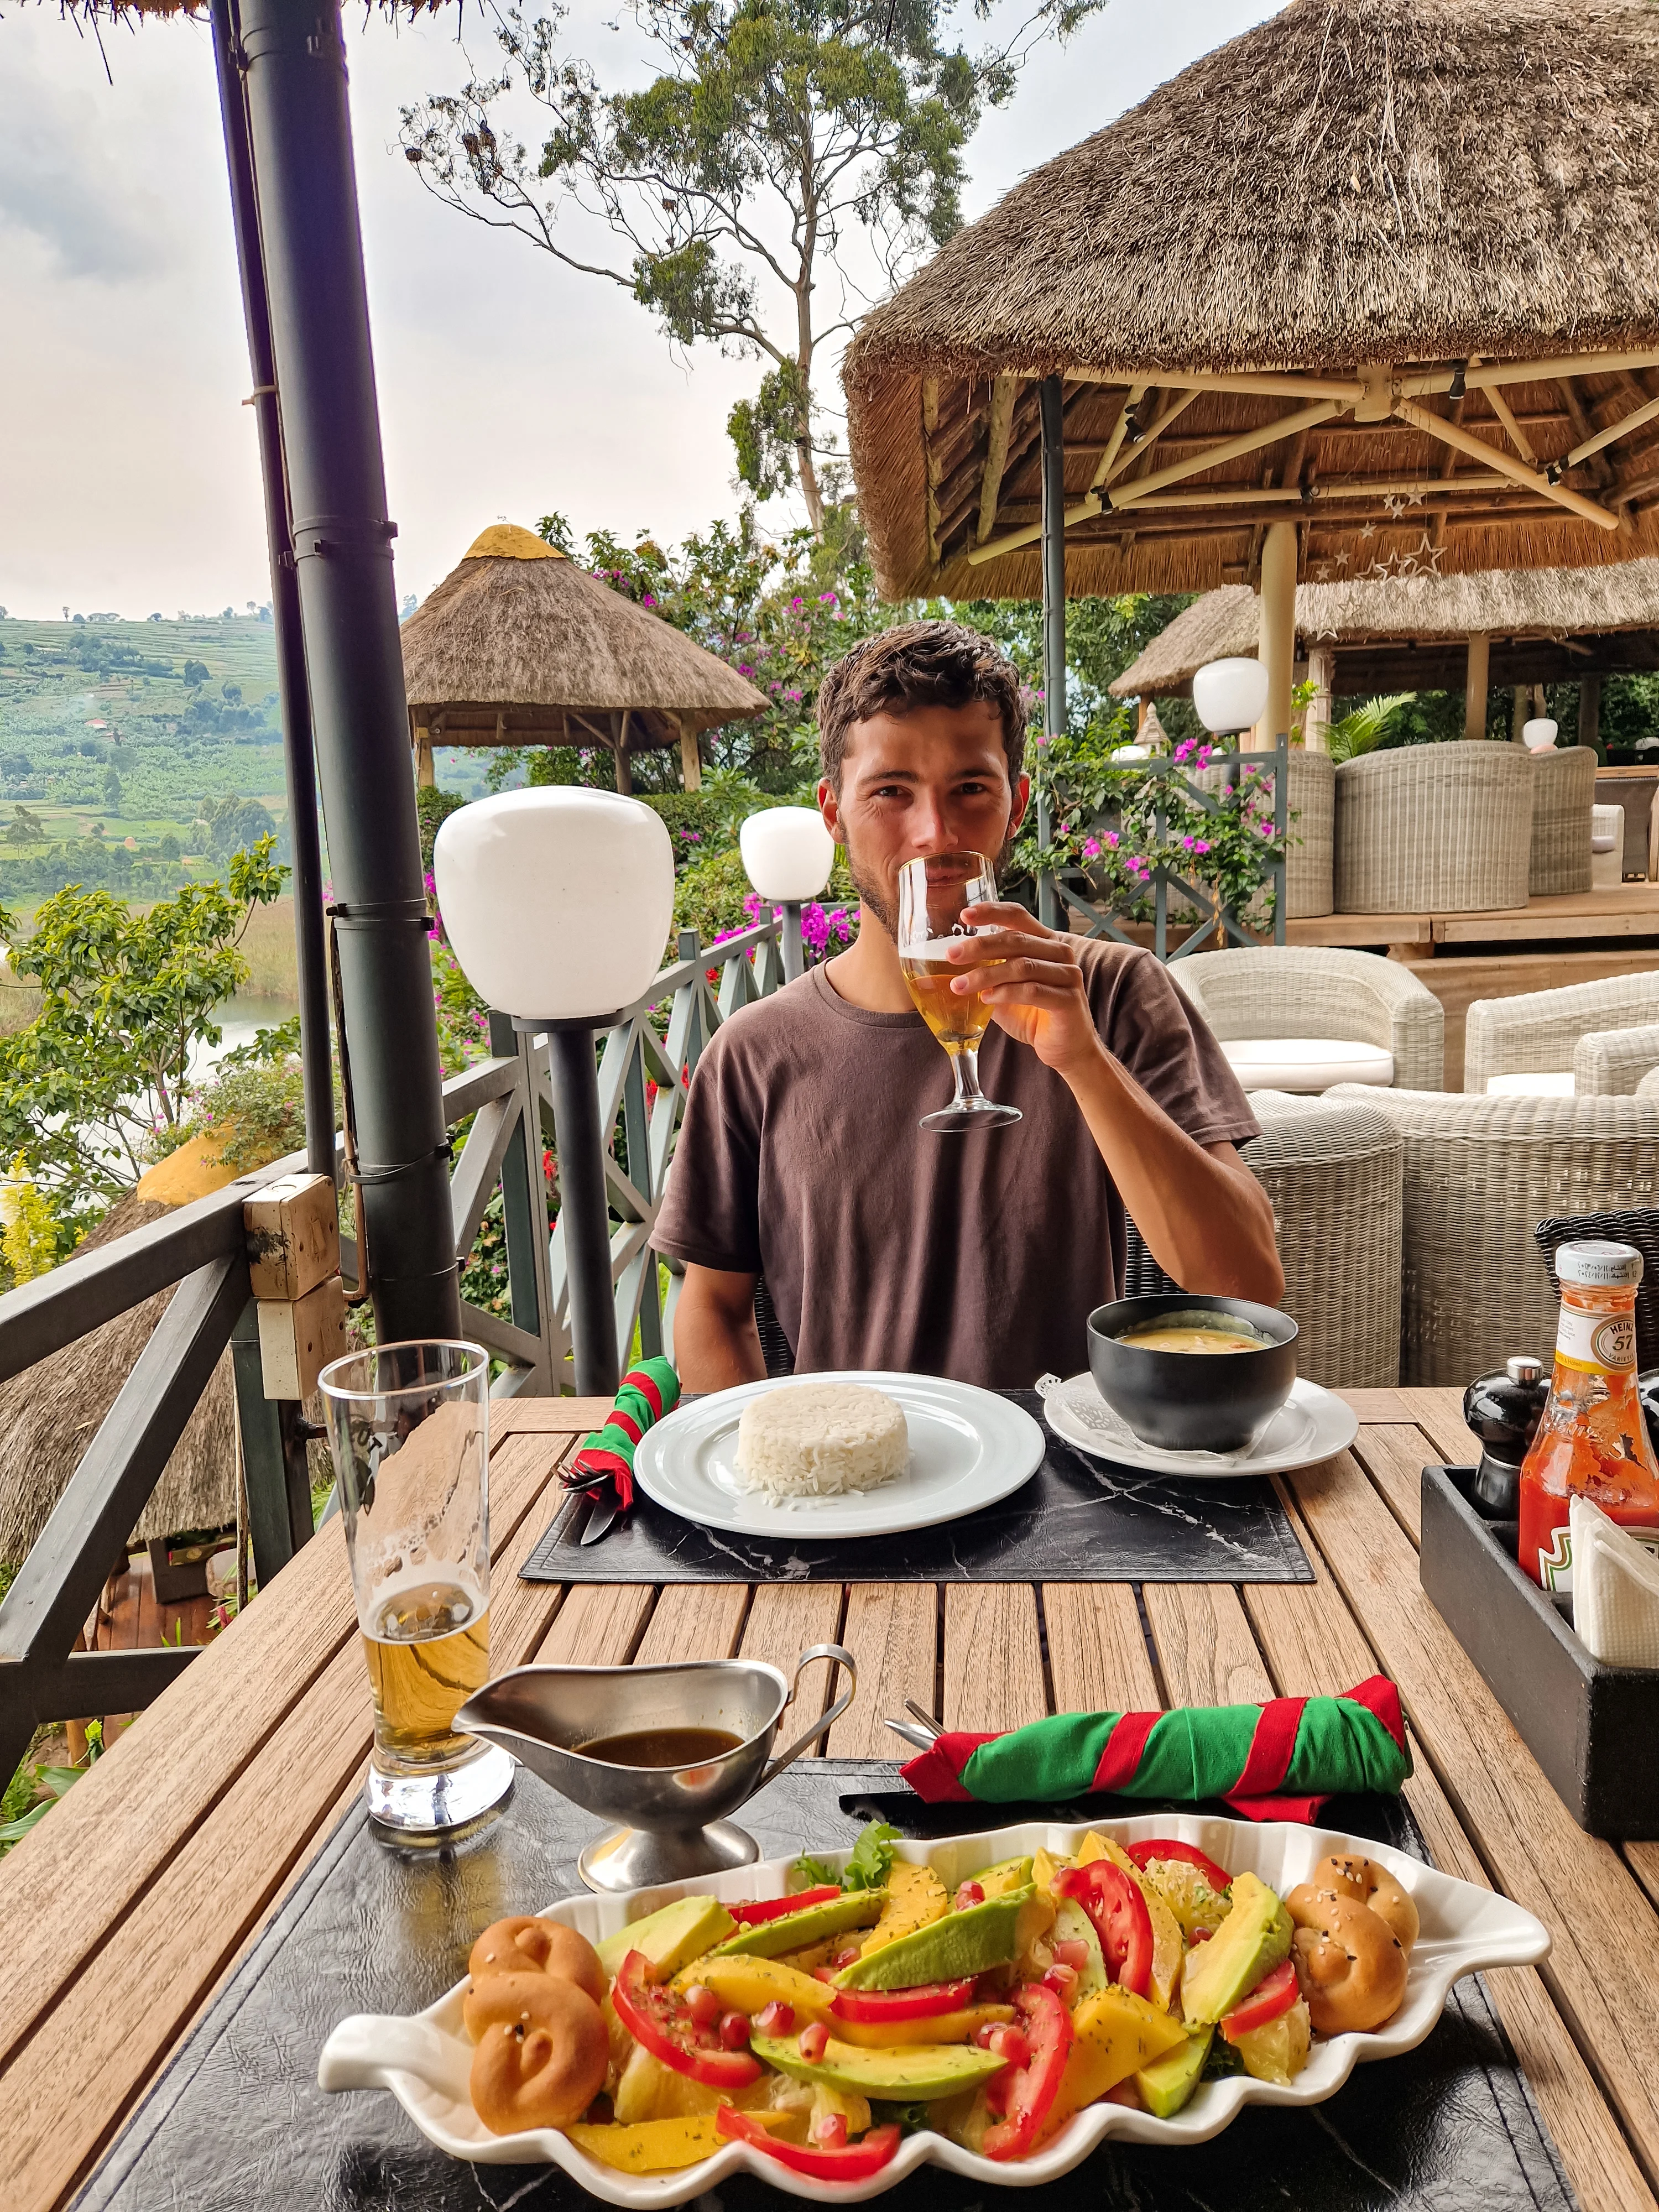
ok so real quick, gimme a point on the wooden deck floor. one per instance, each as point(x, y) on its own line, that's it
point(130, 1618)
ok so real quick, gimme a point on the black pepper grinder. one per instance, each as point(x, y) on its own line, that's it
point(1504, 1410)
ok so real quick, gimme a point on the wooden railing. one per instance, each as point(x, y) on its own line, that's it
point(199, 1253)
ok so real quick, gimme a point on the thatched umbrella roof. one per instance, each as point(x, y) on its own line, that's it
point(1544, 626)
point(1308, 243)
point(520, 645)
point(50, 1413)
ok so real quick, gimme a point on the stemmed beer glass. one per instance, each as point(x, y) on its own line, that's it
point(932, 892)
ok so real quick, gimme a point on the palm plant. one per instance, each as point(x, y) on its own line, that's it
point(1364, 727)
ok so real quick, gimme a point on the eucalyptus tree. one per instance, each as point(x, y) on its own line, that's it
point(788, 155)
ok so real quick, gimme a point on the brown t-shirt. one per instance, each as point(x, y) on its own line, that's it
point(979, 1256)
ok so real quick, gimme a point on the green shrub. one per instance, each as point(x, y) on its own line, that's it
point(709, 896)
point(434, 807)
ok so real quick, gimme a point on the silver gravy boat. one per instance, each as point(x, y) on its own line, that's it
point(675, 1818)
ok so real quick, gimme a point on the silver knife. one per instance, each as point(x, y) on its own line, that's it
point(604, 1512)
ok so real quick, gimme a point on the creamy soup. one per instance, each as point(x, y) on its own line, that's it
point(1179, 1335)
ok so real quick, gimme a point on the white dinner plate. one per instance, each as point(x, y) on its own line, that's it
point(423, 2059)
point(1310, 1426)
point(968, 1447)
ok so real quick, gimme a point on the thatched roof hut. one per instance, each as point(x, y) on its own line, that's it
point(1541, 626)
point(50, 1413)
point(520, 645)
point(1391, 265)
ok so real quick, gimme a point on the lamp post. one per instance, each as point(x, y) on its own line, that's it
point(1230, 696)
point(557, 903)
point(787, 855)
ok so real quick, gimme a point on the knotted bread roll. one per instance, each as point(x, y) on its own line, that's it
point(545, 2073)
point(1371, 1883)
point(1351, 1963)
point(526, 1944)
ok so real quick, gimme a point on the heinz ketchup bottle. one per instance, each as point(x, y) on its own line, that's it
point(1592, 1441)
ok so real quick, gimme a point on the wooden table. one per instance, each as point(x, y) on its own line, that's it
point(125, 1910)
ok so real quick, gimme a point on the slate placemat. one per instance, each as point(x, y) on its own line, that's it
point(238, 2119)
point(1078, 1520)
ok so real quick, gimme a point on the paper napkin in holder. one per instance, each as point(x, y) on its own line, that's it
point(1615, 1589)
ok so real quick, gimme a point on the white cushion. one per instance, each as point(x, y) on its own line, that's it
point(1544, 1083)
point(1304, 1064)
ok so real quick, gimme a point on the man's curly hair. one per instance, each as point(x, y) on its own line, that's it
point(918, 664)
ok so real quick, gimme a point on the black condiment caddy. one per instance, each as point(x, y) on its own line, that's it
point(1591, 1728)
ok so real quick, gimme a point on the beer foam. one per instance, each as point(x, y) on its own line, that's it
point(938, 948)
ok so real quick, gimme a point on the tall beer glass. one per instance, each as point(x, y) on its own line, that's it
point(409, 1425)
point(932, 893)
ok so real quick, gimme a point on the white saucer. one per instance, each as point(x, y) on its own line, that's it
point(1310, 1426)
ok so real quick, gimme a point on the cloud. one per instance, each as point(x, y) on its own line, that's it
point(62, 179)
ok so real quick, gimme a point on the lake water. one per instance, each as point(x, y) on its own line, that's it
point(239, 1018)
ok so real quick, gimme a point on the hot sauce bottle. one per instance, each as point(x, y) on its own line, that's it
point(1592, 1441)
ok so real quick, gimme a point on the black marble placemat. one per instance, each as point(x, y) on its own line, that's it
point(238, 2119)
point(1078, 1520)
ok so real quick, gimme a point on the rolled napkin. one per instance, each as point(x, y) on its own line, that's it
point(1278, 1761)
point(1615, 1589)
point(646, 1393)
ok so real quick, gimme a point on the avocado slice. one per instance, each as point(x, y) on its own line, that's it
point(1008, 1874)
point(1250, 1942)
point(1073, 1925)
point(947, 1950)
point(910, 2073)
point(794, 1931)
point(1167, 2086)
point(669, 1937)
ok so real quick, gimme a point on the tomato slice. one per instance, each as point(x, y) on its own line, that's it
point(1274, 1994)
point(924, 2002)
point(855, 2161)
point(1166, 1847)
point(659, 2019)
point(1027, 2093)
point(762, 1909)
point(1114, 1903)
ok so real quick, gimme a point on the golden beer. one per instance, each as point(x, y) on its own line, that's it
point(429, 1650)
point(958, 1020)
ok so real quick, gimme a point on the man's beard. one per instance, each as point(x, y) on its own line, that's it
point(874, 897)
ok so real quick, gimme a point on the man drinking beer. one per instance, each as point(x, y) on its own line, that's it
point(977, 1255)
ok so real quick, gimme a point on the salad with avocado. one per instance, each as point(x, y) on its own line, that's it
point(823, 2026)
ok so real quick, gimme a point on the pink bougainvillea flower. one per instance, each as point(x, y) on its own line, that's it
point(1091, 850)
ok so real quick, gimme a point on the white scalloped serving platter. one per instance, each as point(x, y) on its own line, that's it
point(423, 2059)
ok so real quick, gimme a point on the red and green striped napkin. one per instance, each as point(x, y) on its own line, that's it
point(646, 1394)
point(1277, 1761)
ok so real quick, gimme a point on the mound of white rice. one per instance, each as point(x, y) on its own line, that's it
point(818, 1439)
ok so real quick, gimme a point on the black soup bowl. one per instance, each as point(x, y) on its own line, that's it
point(1213, 1401)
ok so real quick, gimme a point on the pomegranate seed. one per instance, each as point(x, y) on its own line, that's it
point(996, 2093)
point(829, 2129)
point(1062, 1980)
point(969, 1893)
point(1202, 1934)
point(824, 1973)
point(813, 2041)
point(734, 2032)
point(776, 2019)
point(704, 2006)
point(1010, 2043)
point(845, 1958)
point(1074, 1954)
point(982, 2035)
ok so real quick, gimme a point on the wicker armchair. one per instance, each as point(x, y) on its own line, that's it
point(1435, 828)
point(1564, 793)
point(1479, 1174)
point(1333, 1172)
point(1268, 993)
point(1535, 1035)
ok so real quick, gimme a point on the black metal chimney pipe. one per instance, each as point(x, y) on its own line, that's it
point(293, 692)
point(292, 58)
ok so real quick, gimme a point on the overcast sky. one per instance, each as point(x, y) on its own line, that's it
point(509, 384)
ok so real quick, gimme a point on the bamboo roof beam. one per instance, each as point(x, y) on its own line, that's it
point(1625, 423)
point(1004, 391)
point(1227, 449)
point(1451, 433)
point(1518, 438)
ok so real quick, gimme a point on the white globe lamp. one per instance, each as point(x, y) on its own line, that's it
point(557, 903)
point(787, 854)
point(1539, 735)
point(1230, 696)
